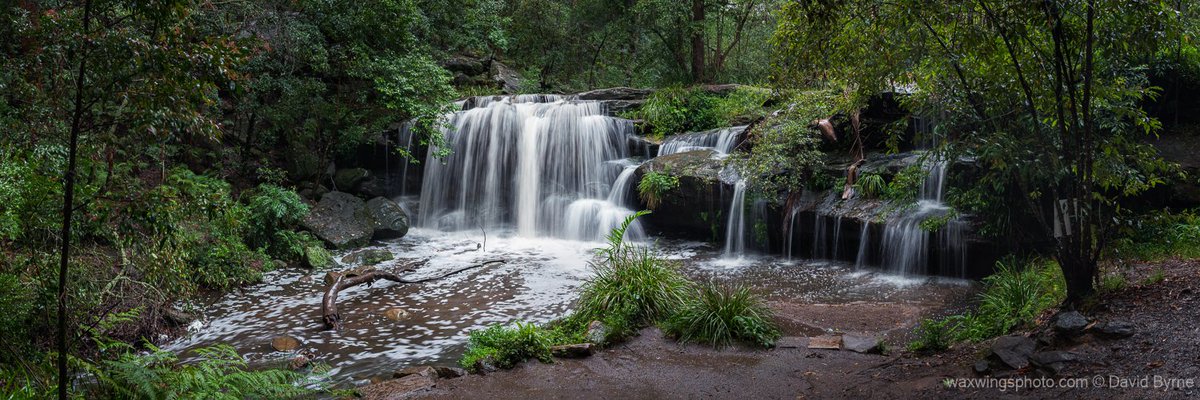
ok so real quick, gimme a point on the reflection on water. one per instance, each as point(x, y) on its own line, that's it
point(537, 284)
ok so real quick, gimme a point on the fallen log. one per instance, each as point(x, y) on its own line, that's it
point(329, 311)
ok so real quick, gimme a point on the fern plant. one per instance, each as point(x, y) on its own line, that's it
point(220, 374)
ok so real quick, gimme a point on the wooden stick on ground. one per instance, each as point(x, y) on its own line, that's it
point(329, 310)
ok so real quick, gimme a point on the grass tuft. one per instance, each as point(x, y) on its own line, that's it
point(718, 315)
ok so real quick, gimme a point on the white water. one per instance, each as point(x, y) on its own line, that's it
point(542, 164)
point(735, 229)
point(723, 140)
point(906, 244)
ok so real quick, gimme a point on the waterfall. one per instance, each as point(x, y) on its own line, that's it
point(723, 140)
point(735, 229)
point(819, 240)
point(404, 138)
point(540, 164)
point(791, 231)
point(863, 248)
point(906, 245)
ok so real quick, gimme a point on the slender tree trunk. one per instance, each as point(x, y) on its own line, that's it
point(698, 73)
point(69, 203)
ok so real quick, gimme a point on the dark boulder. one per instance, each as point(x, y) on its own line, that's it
point(1069, 323)
point(465, 65)
point(400, 388)
point(348, 179)
point(506, 78)
point(695, 208)
point(1113, 329)
point(368, 257)
point(1014, 351)
point(388, 218)
point(341, 220)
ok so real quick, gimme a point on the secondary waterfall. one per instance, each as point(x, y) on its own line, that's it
point(543, 165)
point(906, 244)
point(735, 229)
point(723, 140)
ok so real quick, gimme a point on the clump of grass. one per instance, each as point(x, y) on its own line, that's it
point(1155, 277)
point(654, 185)
point(1112, 282)
point(870, 185)
point(718, 315)
point(1014, 296)
point(507, 346)
point(632, 287)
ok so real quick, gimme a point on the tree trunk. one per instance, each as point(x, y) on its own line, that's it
point(69, 203)
point(698, 73)
point(1079, 275)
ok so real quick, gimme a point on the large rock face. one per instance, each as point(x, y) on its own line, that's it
point(341, 220)
point(390, 220)
point(696, 208)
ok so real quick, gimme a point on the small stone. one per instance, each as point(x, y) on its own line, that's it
point(860, 344)
point(597, 332)
point(582, 350)
point(1069, 322)
point(396, 314)
point(485, 366)
point(299, 362)
point(450, 372)
point(332, 276)
point(825, 342)
point(285, 343)
point(368, 257)
point(1114, 329)
point(982, 366)
point(423, 370)
point(1014, 350)
point(279, 264)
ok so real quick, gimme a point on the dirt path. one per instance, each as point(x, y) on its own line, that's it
point(1165, 314)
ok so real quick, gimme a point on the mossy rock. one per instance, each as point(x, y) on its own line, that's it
point(315, 256)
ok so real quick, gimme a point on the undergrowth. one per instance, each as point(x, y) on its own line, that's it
point(718, 315)
point(1013, 297)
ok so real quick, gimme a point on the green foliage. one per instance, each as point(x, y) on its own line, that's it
point(654, 185)
point(505, 347)
point(936, 334)
point(718, 315)
point(1111, 282)
point(1159, 235)
point(274, 214)
point(905, 186)
point(785, 156)
point(742, 104)
point(870, 185)
point(16, 303)
point(932, 224)
point(631, 282)
point(196, 231)
point(220, 374)
point(674, 110)
point(1012, 297)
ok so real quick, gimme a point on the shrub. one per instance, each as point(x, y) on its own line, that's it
point(718, 315)
point(1014, 296)
point(654, 186)
point(906, 185)
point(505, 346)
point(745, 102)
point(16, 302)
point(630, 282)
point(220, 374)
point(676, 110)
point(1159, 235)
point(273, 209)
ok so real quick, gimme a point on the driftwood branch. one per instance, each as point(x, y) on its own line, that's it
point(329, 310)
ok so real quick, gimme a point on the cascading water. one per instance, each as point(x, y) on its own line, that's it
point(723, 140)
point(906, 243)
point(540, 164)
point(735, 229)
